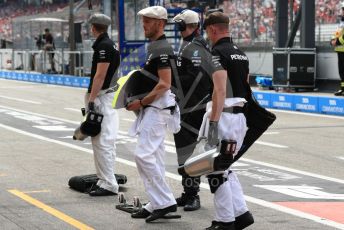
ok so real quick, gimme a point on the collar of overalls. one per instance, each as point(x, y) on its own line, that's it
point(223, 40)
point(190, 37)
point(99, 38)
point(162, 37)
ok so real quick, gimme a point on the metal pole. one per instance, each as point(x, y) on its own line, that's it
point(291, 13)
point(12, 63)
point(252, 22)
point(308, 24)
point(107, 5)
point(281, 23)
point(71, 37)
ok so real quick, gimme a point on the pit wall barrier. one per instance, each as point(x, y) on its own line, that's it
point(293, 102)
point(302, 103)
point(54, 79)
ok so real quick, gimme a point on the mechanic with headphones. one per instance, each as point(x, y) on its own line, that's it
point(194, 88)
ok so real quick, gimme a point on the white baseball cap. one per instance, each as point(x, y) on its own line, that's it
point(157, 12)
point(188, 16)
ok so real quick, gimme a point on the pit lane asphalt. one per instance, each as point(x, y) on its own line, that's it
point(298, 150)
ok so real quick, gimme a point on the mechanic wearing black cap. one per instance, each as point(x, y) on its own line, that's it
point(226, 120)
point(105, 62)
point(195, 83)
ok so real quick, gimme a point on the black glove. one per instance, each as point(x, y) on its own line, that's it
point(213, 133)
point(91, 106)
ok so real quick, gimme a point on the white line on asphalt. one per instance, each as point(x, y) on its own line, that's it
point(293, 170)
point(17, 87)
point(66, 137)
point(172, 143)
point(270, 133)
point(342, 158)
point(66, 87)
point(38, 84)
point(308, 114)
point(21, 100)
point(122, 132)
point(271, 144)
point(42, 115)
point(202, 185)
point(53, 128)
point(74, 110)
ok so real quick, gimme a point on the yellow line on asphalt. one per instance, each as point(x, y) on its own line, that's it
point(50, 210)
point(37, 191)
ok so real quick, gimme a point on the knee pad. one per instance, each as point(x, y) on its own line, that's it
point(191, 184)
point(181, 171)
point(215, 181)
point(243, 220)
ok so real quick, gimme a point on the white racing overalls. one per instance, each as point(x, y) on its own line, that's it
point(229, 199)
point(104, 150)
point(151, 126)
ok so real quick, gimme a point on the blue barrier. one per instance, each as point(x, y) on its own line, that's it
point(45, 79)
point(331, 105)
point(20, 77)
point(10, 75)
point(14, 76)
point(306, 103)
point(282, 101)
point(76, 82)
point(32, 78)
point(297, 102)
point(52, 80)
point(264, 99)
point(67, 81)
point(59, 80)
point(84, 82)
point(26, 77)
point(38, 78)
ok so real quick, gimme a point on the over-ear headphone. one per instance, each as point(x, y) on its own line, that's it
point(181, 25)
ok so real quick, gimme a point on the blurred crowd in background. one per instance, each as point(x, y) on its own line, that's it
point(239, 11)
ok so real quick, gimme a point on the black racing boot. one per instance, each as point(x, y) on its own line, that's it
point(92, 188)
point(339, 93)
point(243, 221)
point(181, 201)
point(192, 203)
point(217, 225)
point(191, 188)
point(160, 213)
point(141, 214)
point(101, 192)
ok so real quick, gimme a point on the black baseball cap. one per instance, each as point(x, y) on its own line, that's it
point(215, 18)
point(212, 11)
